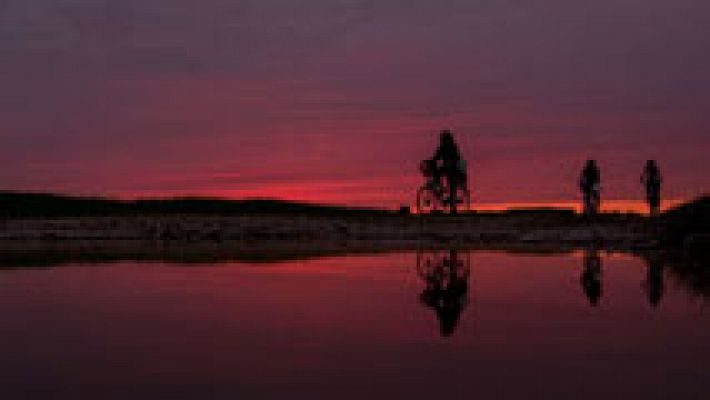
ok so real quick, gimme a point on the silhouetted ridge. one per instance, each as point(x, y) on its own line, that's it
point(16, 204)
point(687, 223)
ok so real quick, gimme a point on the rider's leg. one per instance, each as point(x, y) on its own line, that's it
point(654, 200)
point(654, 203)
point(436, 182)
point(452, 198)
point(591, 202)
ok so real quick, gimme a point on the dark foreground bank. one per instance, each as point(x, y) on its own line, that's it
point(48, 218)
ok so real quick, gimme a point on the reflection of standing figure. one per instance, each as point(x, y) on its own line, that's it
point(653, 286)
point(591, 280)
point(446, 292)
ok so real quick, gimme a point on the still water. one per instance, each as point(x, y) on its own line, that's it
point(415, 325)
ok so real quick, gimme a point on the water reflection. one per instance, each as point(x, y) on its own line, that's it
point(690, 271)
point(592, 285)
point(445, 275)
point(591, 280)
point(653, 285)
point(247, 329)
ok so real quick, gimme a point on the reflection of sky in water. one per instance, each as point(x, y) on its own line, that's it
point(351, 327)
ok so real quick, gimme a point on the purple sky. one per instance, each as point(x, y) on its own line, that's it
point(338, 100)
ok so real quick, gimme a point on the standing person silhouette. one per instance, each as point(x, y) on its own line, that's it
point(590, 185)
point(651, 179)
point(449, 164)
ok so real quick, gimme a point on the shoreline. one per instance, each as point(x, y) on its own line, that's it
point(18, 254)
point(624, 230)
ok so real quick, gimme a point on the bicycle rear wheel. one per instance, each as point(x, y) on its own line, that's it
point(427, 201)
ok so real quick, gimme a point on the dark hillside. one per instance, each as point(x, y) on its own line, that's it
point(688, 224)
point(37, 205)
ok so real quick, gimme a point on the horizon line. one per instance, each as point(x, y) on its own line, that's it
point(610, 205)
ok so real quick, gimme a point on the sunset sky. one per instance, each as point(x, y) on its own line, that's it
point(337, 101)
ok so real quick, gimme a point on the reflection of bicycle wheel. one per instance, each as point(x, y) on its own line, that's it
point(442, 263)
point(428, 264)
point(427, 201)
point(462, 269)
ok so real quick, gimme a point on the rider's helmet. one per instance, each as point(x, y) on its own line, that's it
point(446, 135)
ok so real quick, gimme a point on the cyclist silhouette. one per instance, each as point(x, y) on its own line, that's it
point(447, 177)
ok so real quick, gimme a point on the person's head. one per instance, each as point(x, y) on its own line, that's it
point(651, 164)
point(591, 163)
point(446, 136)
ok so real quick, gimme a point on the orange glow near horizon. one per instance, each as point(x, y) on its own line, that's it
point(630, 206)
point(335, 193)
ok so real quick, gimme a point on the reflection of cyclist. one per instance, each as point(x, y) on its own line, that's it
point(589, 184)
point(591, 280)
point(446, 289)
point(651, 179)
